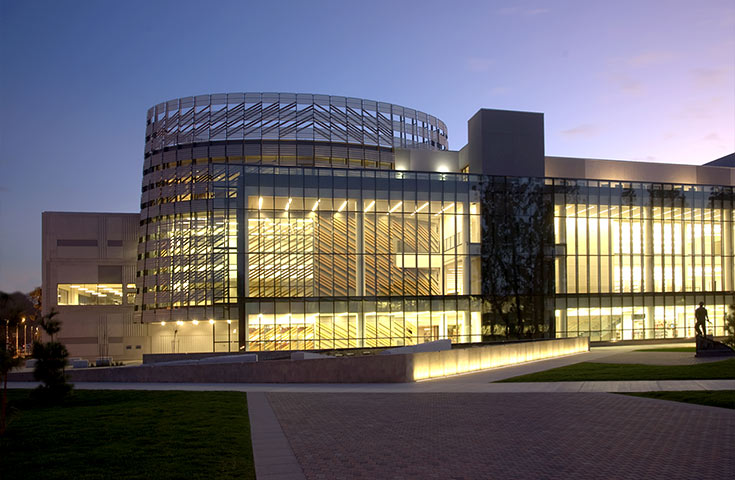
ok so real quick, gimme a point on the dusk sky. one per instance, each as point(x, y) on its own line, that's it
point(633, 80)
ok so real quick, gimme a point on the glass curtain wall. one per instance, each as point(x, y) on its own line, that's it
point(299, 258)
point(355, 258)
point(635, 259)
point(190, 250)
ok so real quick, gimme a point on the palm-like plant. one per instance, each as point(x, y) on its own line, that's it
point(51, 359)
point(50, 324)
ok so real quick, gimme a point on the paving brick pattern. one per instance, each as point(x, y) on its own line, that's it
point(505, 436)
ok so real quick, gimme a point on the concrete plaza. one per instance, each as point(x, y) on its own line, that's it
point(503, 436)
point(465, 427)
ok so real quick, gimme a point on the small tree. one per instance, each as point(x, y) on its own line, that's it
point(8, 361)
point(730, 327)
point(51, 359)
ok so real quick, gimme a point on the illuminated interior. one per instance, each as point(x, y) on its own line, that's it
point(196, 260)
point(634, 260)
point(345, 247)
point(314, 247)
point(639, 249)
point(89, 294)
point(357, 330)
point(307, 258)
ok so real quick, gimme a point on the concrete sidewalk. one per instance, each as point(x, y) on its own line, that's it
point(272, 453)
point(421, 387)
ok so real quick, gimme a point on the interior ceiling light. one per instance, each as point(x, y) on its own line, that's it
point(316, 204)
point(420, 208)
point(395, 207)
point(367, 209)
point(342, 207)
point(288, 204)
point(260, 203)
point(444, 209)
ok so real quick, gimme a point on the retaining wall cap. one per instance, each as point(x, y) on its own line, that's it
point(435, 346)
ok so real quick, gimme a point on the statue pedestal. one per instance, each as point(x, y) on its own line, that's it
point(707, 347)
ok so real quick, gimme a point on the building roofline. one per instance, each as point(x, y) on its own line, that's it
point(56, 212)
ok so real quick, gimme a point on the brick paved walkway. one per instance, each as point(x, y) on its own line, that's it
point(496, 435)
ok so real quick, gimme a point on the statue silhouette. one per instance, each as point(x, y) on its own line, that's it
point(701, 317)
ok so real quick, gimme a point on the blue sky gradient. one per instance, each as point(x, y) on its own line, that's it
point(635, 80)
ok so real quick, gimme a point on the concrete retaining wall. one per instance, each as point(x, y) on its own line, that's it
point(464, 360)
point(363, 369)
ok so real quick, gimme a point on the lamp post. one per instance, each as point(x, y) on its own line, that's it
point(211, 322)
point(17, 336)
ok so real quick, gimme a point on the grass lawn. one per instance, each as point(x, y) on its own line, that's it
point(669, 349)
point(713, 398)
point(129, 434)
point(588, 371)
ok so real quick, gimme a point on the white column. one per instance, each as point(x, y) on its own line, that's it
point(648, 285)
point(360, 273)
point(466, 285)
point(727, 254)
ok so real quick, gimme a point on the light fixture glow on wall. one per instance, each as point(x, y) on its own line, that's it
point(444, 209)
point(395, 207)
point(342, 207)
point(420, 208)
point(367, 209)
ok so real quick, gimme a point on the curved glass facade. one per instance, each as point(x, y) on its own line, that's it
point(279, 222)
point(290, 129)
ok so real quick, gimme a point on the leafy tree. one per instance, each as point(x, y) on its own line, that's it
point(517, 245)
point(36, 297)
point(730, 327)
point(51, 359)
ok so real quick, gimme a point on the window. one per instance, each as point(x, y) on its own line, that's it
point(89, 294)
point(130, 294)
